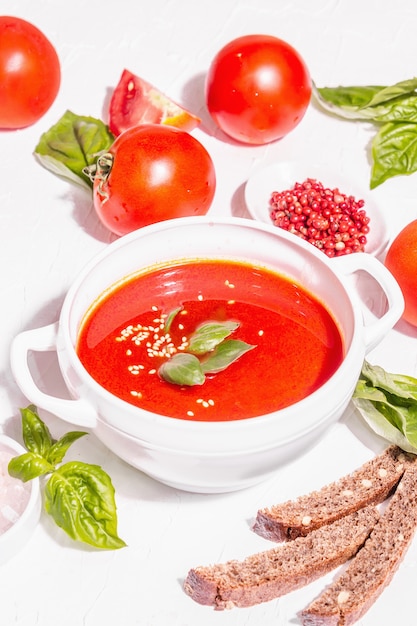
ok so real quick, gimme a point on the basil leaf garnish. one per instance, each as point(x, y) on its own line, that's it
point(209, 335)
point(59, 448)
point(394, 152)
point(72, 144)
point(182, 369)
point(397, 103)
point(80, 498)
point(226, 353)
point(28, 466)
point(209, 341)
point(388, 404)
point(170, 318)
point(394, 109)
point(36, 435)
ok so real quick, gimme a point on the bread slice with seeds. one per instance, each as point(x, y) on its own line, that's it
point(370, 484)
point(348, 598)
point(268, 575)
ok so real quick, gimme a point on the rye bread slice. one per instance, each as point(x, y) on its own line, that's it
point(348, 598)
point(267, 575)
point(372, 483)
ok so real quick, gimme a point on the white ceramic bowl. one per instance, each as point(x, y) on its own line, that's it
point(15, 537)
point(210, 456)
point(283, 175)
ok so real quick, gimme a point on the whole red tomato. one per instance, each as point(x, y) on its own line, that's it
point(153, 172)
point(401, 260)
point(30, 73)
point(258, 89)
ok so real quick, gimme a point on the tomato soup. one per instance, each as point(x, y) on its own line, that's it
point(296, 345)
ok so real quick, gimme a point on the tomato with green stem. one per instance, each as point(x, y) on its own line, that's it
point(30, 73)
point(151, 173)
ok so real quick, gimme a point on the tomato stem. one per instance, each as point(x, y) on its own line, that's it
point(100, 171)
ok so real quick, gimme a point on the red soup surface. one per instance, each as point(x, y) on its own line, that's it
point(123, 340)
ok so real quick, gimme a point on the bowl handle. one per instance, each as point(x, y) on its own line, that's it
point(379, 327)
point(78, 412)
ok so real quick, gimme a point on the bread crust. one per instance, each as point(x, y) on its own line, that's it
point(372, 483)
point(350, 596)
point(289, 566)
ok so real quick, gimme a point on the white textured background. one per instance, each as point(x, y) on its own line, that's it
point(48, 230)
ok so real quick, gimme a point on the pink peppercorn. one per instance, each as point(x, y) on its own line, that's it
point(335, 223)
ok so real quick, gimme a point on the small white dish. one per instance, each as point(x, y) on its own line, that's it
point(16, 536)
point(283, 175)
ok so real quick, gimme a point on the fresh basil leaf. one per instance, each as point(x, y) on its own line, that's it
point(209, 335)
point(226, 353)
point(397, 103)
point(29, 465)
point(170, 318)
point(182, 369)
point(388, 403)
point(394, 92)
point(36, 435)
point(347, 102)
point(398, 385)
point(80, 498)
point(394, 152)
point(59, 448)
point(73, 143)
point(377, 421)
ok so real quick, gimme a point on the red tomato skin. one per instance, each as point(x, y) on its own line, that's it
point(159, 172)
point(135, 101)
point(30, 73)
point(258, 89)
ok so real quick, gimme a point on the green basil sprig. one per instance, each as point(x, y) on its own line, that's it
point(210, 343)
point(394, 109)
point(73, 144)
point(79, 496)
point(388, 404)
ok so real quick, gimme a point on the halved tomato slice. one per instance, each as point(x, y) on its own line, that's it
point(135, 101)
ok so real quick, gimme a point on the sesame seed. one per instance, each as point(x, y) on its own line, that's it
point(199, 297)
point(152, 372)
point(154, 308)
point(260, 333)
point(190, 413)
